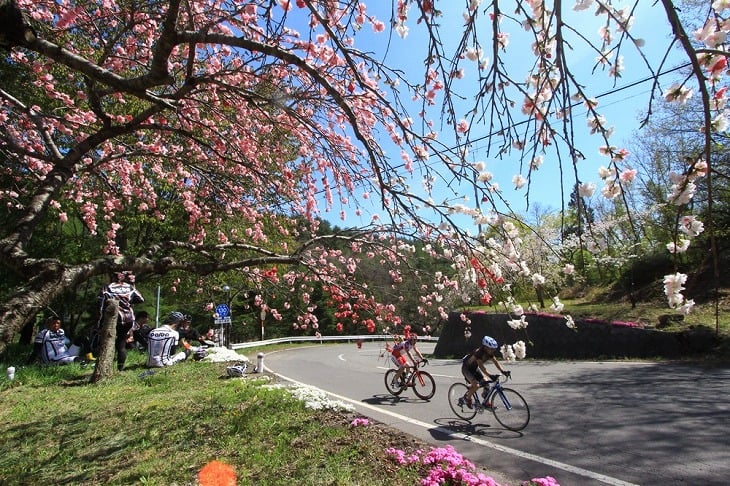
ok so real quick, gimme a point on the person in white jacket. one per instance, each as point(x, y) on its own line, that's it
point(51, 345)
point(162, 343)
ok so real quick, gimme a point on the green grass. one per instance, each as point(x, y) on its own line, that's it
point(648, 314)
point(161, 429)
point(645, 313)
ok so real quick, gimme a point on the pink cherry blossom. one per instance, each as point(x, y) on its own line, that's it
point(628, 175)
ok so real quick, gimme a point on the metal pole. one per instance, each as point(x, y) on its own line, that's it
point(226, 327)
point(157, 309)
point(263, 317)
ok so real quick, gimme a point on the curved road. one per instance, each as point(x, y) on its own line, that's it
point(592, 423)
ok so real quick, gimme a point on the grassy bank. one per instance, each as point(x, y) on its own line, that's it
point(163, 428)
point(648, 314)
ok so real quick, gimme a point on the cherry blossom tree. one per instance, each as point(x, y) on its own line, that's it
point(278, 112)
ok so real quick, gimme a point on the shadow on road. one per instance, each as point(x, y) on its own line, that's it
point(389, 400)
point(471, 428)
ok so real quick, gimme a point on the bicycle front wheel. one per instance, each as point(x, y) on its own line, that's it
point(457, 403)
point(391, 383)
point(424, 385)
point(510, 409)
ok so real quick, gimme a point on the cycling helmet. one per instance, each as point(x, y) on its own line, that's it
point(200, 354)
point(489, 342)
point(174, 317)
point(236, 371)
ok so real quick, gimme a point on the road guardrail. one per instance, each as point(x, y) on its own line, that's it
point(322, 339)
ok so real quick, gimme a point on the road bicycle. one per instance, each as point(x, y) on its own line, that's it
point(509, 407)
point(421, 381)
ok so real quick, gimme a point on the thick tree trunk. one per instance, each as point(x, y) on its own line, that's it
point(14, 28)
point(48, 282)
point(540, 296)
point(108, 332)
point(26, 334)
point(17, 312)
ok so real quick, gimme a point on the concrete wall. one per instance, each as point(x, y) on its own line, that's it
point(547, 337)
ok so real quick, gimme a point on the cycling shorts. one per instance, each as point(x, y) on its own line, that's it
point(399, 360)
point(472, 374)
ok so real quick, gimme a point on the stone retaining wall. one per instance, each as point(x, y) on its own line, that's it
point(547, 337)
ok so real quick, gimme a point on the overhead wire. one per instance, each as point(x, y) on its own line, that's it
point(602, 95)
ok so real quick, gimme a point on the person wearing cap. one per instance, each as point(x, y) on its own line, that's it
point(473, 366)
point(162, 341)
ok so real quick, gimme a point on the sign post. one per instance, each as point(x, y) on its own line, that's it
point(223, 320)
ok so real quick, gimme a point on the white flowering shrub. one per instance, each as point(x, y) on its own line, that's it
point(314, 398)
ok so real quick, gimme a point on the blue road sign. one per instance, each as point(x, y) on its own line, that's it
point(222, 310)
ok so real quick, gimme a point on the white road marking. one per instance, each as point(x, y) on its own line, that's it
point(341, 357)
point(457, 435)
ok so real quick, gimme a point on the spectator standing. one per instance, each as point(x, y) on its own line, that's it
point(125, 292)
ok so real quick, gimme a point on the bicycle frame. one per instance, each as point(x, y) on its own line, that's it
point(412, 373)
point(494, 388)
point(510, 410)
point(422, 382)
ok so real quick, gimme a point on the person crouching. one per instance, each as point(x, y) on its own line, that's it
point(162, 343)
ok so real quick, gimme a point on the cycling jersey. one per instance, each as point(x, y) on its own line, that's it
point(53, 348)
point(161, 344)
point(402, 348)
point(480, 354)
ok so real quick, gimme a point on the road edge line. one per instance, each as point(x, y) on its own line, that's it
point(458, 435)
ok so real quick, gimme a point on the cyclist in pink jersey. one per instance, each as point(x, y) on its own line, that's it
point(402, 351)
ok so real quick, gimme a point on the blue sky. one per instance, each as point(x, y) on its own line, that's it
point(621, 107)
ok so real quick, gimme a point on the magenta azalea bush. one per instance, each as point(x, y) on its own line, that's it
point(445, 466)
point(360, 421)
point(546, 481)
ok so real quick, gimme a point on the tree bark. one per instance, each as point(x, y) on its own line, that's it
point(540, 296)
point(14, 28)
point(26, 334)
point(107, 334)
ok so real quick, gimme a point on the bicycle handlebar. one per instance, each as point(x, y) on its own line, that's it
point(501, 378)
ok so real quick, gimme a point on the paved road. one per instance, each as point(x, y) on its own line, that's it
point(593, 423)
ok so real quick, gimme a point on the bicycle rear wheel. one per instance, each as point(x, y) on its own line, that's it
point(510, 409)
point(390, 382)
point(457, 403)
point(424, 385)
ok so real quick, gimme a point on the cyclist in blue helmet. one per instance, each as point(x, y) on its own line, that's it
point(473, 366)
